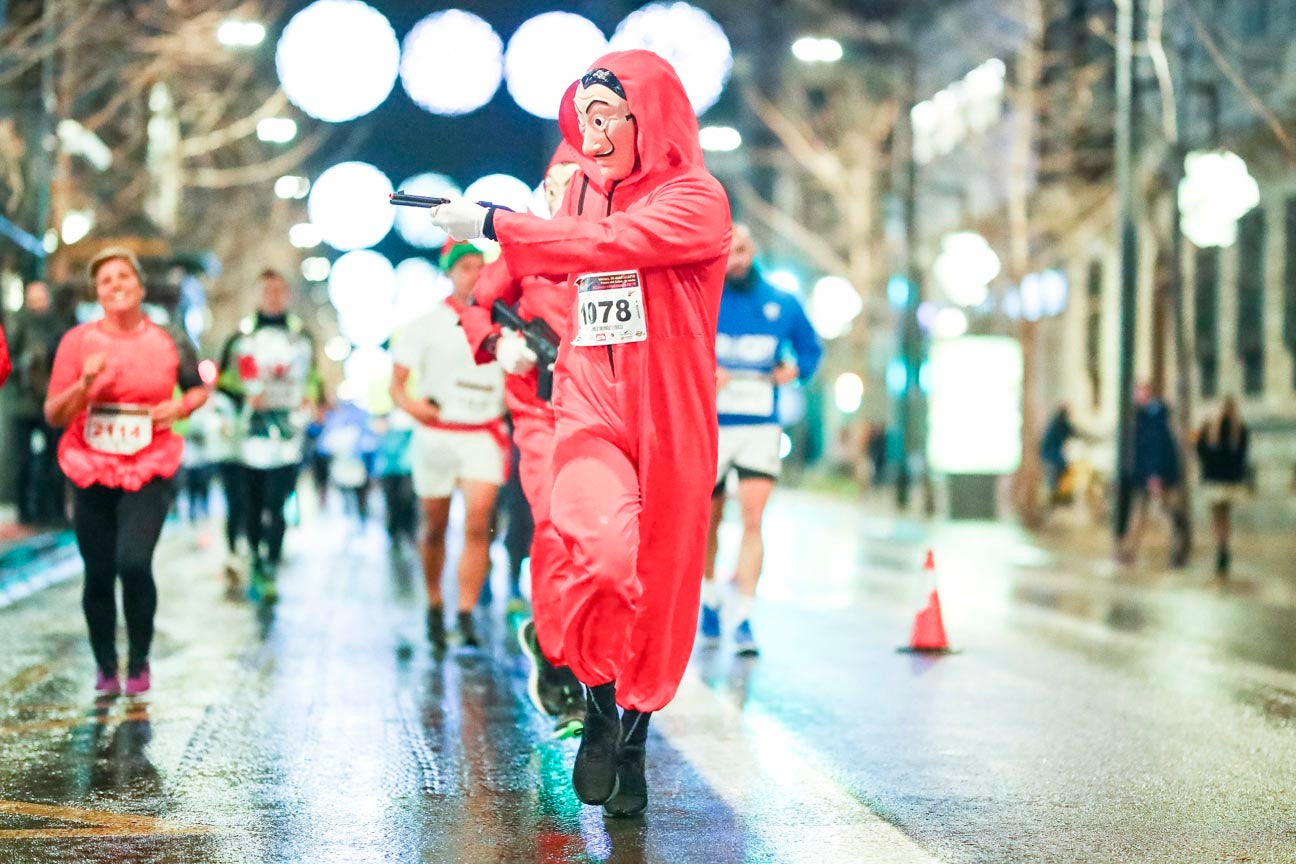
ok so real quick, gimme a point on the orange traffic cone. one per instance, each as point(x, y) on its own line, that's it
point(929, 629)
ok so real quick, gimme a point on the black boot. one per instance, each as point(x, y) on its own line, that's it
point(631, 798)
point(594, 776)
point(468, 631)
point(1222, 561)
point(436, 630)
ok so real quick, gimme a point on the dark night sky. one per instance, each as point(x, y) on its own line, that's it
point(402, 139)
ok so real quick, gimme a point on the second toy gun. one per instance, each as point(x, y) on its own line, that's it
point(540, 338)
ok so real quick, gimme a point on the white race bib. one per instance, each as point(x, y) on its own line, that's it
point(281, 395)
point(470, 402)
point(609, 308)
point(746, 396)
point(118, 429)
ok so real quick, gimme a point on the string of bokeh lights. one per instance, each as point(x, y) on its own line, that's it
point(450, 63)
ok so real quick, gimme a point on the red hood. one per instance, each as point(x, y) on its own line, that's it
point(667, 128)
point(565, 153)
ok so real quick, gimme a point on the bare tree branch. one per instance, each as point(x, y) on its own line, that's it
point(815, 247)
point(810, 153)
point(261, 172)
point(1161, 63)
point(1235, 78)
point(240, 128)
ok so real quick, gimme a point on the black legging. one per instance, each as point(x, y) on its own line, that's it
point(267, 492)
point(117, 532)
point(402, 512)
point(234, 483)
point(520, 527)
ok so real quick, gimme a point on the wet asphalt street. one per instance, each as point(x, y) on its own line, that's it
point(1092, 714)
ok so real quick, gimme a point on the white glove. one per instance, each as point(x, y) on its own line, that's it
point(462, 220)
point(512, 353)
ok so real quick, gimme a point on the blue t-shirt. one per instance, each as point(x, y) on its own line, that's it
point(759, 325)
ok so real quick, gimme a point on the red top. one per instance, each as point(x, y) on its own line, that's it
point(143, 368)
point(5, 365)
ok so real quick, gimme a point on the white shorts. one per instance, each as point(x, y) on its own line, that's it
point(1224, 493)
point(442, 458)
point(750, 449)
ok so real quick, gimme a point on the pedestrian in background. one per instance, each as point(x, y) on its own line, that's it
point(1157, 475)
point(112, 387)
point(392, 468)
point(1222, 444)
point(1053, 450)
point(33, 339)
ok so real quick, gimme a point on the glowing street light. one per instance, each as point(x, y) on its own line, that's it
point(240, 34)
point(304, 235)
point(315, 269)
point(337, 59)
point(1216, 191)
point(813, 49)
point(349, 203)
point(687, 37)
point(292, 188)
point(277, 130)
point(536, 74)
point(965, 267)
point(452, 62)
point(720, 139)
point(76, 225)
point(834, 304)
point(848, 392)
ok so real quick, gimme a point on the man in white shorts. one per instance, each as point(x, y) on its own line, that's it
point(763, 340)
point(460, 440)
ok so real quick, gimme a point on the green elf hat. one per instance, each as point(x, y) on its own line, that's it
point(452, 252)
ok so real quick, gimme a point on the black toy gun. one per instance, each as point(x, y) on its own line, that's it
point(406, 200)
point(540, 338)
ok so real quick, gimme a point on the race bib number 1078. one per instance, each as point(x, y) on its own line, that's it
point(610, 308)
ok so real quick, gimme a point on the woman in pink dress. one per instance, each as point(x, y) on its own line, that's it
point(113, 386)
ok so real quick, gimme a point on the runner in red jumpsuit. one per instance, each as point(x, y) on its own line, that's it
point(553, 688)
point(643, 238)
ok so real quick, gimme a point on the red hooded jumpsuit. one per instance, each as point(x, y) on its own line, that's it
point(533, 423)
point(635, 454)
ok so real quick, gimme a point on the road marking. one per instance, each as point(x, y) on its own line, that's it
point(744, 755)
point(95, 823)
point(26, 679)
point(132, 713)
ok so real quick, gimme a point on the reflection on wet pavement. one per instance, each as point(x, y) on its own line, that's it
point(1089, 716)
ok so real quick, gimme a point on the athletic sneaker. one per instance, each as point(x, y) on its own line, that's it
point(107, 685)
point(233, 570)
point(540, 684)
point(261, 583)
point(436, 630)
point(744, 641)
point(570, 715)
point(710, 626)
point(138, 681)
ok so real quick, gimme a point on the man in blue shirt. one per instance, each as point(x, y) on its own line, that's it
point(764, 340)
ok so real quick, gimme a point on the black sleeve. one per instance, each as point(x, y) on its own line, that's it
point(187, 375)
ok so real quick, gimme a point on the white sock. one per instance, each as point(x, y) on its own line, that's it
point(712, 593)
point(741, 607)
